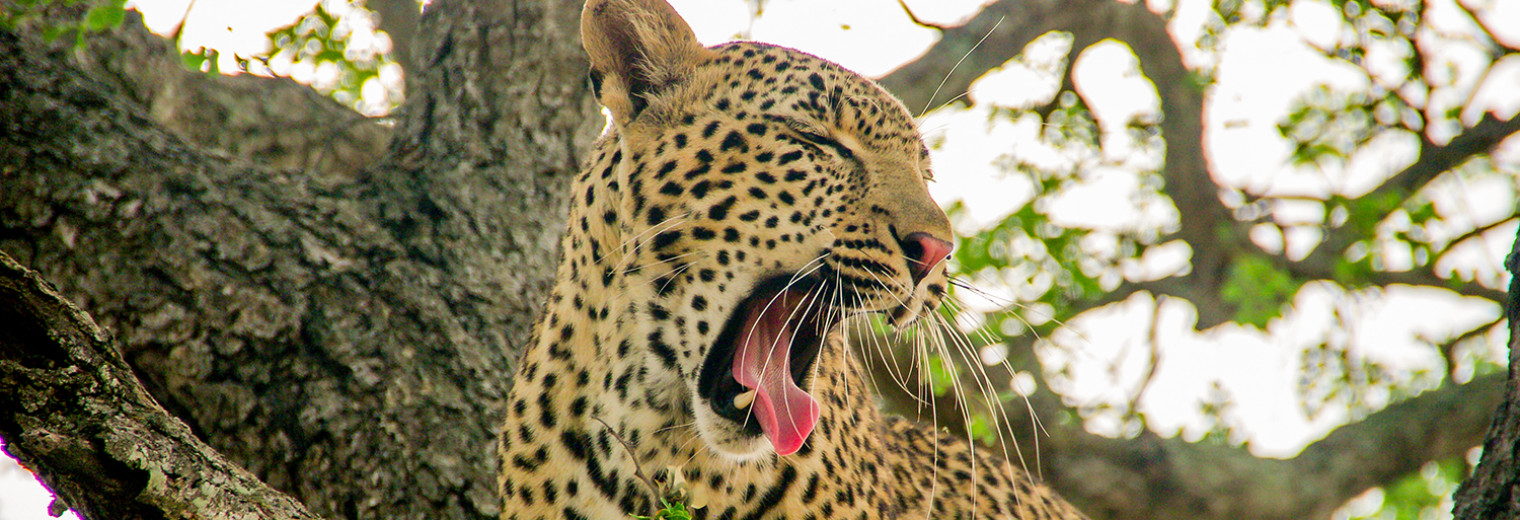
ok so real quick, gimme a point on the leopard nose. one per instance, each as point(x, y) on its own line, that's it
point(924, 252)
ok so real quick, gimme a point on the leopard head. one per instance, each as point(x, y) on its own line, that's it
point(761, 195)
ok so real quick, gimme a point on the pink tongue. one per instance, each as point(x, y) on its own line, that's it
point(786, 413)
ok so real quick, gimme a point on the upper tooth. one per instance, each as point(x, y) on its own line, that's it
point(743, 400)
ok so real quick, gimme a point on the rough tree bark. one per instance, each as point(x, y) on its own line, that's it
point(1493, 490)
point(341, 324)
point(348, 337)
point(277, 124)
point(76, 414)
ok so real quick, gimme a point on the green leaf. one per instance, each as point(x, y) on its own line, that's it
point(105, 16)
point(670, 511)
point(1258, 289)
point(1422, 494)
point(1421, 212)
point(192, 61)
point(1198, 81)
point(941, 375)
point(981, 429)
point(1353, 273)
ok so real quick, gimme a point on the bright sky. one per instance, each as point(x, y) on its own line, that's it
point(1260, 73)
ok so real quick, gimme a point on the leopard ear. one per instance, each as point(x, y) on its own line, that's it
point(637, 47)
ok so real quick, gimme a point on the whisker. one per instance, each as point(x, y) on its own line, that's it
point(675, 272)
point(1037, 426)
point(674, 427)
point(959, 388)
point(638, 240)
point(957, 65)
point(991, 398)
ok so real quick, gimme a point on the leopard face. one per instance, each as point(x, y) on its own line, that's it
point(755, 196)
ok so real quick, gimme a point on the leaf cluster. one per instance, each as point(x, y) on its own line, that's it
point(668, 511)
point(1420, 495)
point(317, 40)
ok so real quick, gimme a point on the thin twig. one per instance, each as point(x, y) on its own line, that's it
point(916, 20)
point(638, 470)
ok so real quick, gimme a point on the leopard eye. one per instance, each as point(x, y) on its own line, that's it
point(823, 141)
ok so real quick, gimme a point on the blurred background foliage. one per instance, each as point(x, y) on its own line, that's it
point(1377, 236)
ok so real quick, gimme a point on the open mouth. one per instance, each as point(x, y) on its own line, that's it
point(754, 371)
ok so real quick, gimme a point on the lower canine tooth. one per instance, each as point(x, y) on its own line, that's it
point(743, 400)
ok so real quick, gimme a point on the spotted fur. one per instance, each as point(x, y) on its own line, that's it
point(725, 168)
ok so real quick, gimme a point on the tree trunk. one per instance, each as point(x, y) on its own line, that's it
point(1493, 490)
point(347, 336)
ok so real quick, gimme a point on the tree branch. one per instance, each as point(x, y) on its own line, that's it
point(1022, 22)
point(74, 413)
point(399, 19)
point(1436, 159)
point(1188, 182)
point(913, 17)
point(1433, 160)
point(274, 121)
point(1168, 478)
point(1474, 233)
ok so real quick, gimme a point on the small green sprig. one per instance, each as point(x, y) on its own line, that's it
point(675, 495)
point(671, 511)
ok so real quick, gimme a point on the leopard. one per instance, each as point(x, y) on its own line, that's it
point(743, 202)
